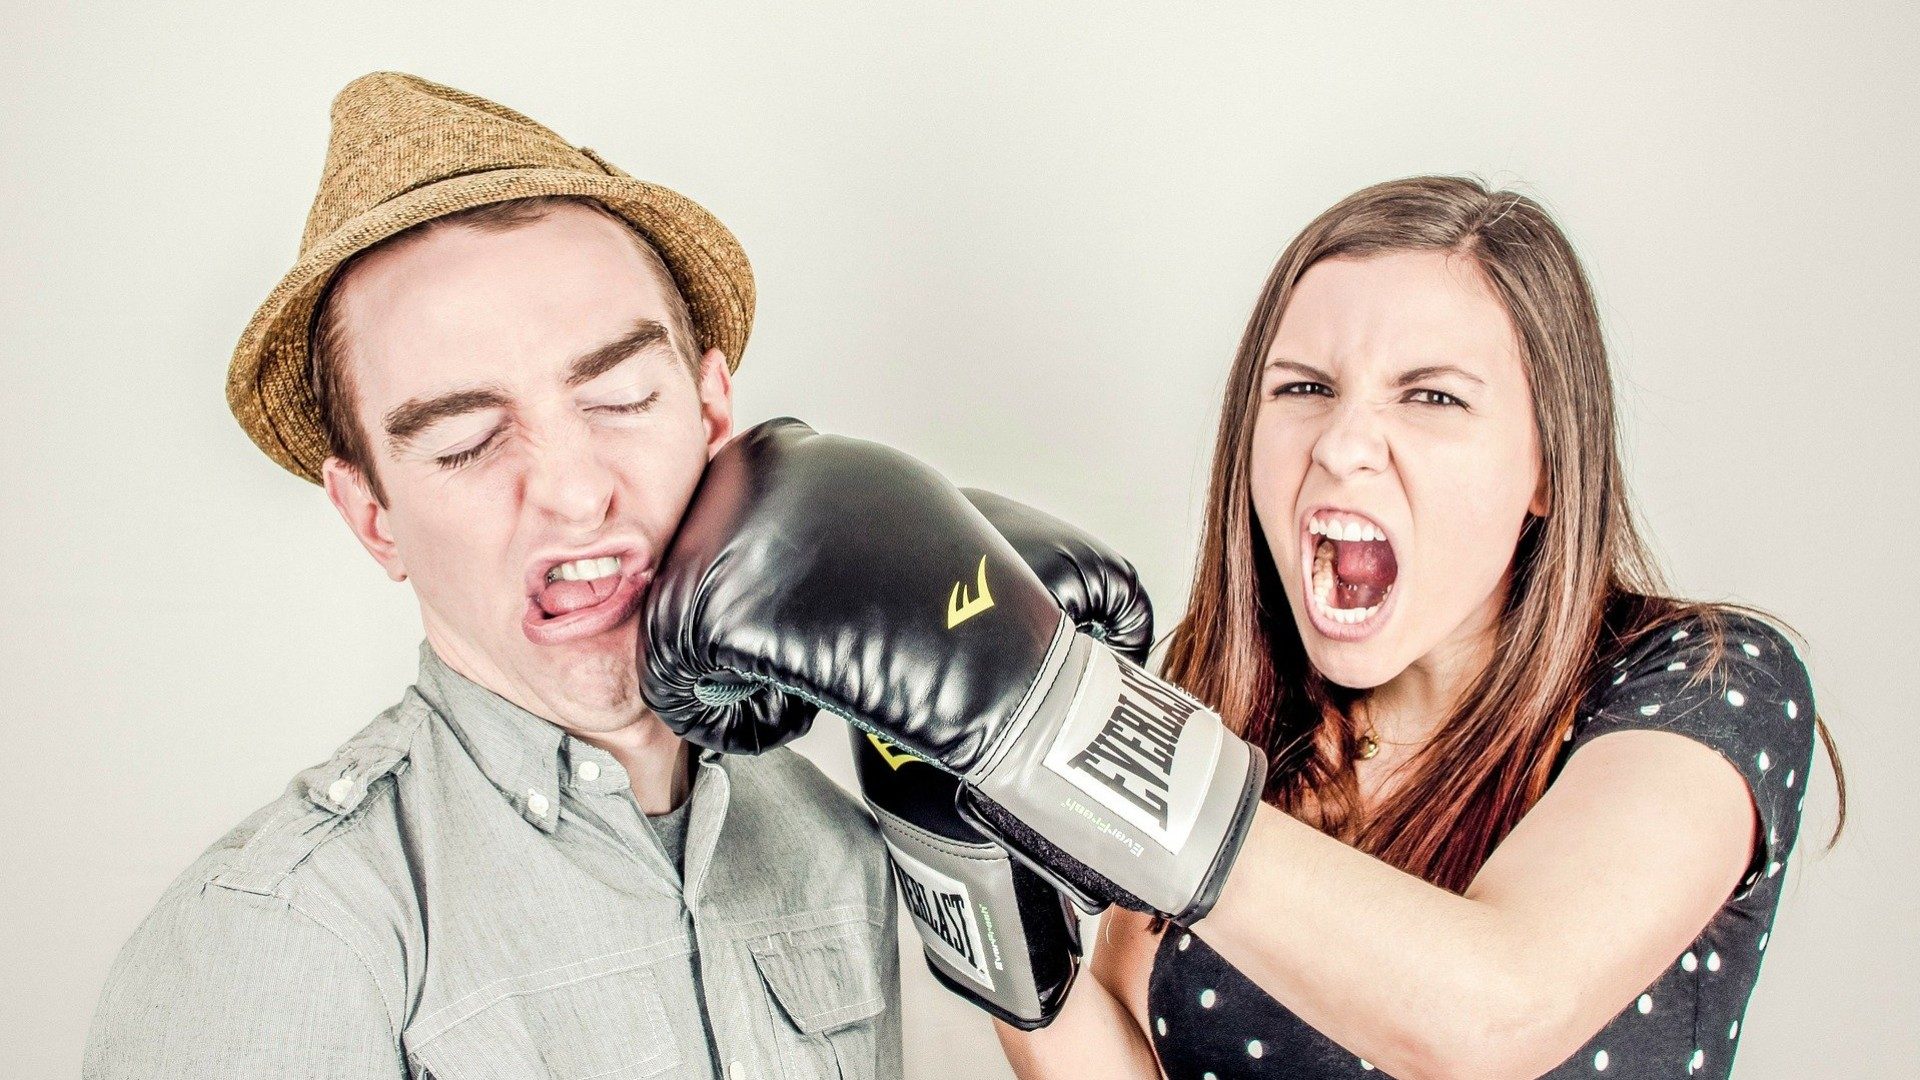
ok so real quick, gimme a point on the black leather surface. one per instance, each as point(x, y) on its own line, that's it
point(819, 570)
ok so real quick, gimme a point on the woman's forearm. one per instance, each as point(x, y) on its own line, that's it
point(1394, 968)
point(1094, 1035)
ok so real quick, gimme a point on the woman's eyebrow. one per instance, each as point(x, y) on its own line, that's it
point(1414, 375)
point(1308, 370)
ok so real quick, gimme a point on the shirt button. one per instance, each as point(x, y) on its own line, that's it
point(537, 803)
point(737, 1070)
point(587, 770)
point(340, 789)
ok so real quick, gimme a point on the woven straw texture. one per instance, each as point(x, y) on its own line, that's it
point(404, 150)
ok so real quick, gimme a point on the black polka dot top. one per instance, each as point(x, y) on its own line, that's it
point(1209, 1022)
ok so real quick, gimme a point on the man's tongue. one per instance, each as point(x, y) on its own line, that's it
point(562, 597)
point(1363, 572)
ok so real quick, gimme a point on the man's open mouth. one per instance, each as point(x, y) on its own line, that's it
point(579, 584)
point(1351, 569)
point(584, 597)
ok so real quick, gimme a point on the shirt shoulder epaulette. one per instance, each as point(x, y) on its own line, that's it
point(321, 800)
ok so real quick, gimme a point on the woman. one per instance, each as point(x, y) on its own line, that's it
point(1527, 815)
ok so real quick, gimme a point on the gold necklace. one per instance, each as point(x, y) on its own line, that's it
point(1368, 744)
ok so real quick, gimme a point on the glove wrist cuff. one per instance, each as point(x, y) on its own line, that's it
point(1120, 786)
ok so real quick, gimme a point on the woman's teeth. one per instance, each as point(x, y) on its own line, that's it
point(585, 569)
point(1335, 529)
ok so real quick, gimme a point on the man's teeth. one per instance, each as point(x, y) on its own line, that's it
point(585, 569)
point(1323, 582)
point(1336, 529)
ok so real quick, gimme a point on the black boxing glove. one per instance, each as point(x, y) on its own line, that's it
point(993, 930)
point(851, 577)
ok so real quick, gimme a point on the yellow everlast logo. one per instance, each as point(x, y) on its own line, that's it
point(961, 607)
point(890, 754)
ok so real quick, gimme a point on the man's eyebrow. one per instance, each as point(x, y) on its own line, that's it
point(646, 334)
point(410, 419)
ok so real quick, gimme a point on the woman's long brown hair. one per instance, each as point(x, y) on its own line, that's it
point(1583, 588)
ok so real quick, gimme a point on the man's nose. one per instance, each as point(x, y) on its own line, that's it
point(568, 478)
point(1353, 441)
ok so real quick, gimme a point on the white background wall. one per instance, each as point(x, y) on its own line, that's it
point(1018, 240)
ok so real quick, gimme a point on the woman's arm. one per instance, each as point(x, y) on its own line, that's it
point(1101, 1029)
point(1603, 883)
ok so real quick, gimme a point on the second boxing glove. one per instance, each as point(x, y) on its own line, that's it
point(993, 930)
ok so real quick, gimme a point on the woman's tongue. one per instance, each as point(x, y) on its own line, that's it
point(562, 597)
point(1363, 572)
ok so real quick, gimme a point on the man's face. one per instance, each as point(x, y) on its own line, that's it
point(538, 436)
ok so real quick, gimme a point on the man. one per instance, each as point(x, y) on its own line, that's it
point(508, 364)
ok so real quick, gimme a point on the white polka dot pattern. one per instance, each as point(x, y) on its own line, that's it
point(1742, 697)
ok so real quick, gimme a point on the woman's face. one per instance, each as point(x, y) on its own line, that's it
point(1394, 461)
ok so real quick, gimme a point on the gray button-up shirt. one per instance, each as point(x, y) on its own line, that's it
point(464, 890)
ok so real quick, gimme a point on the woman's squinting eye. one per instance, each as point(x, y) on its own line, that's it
point(1300, 389)
point(1435, 397)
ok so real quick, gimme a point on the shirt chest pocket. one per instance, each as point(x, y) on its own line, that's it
point(568, 1024)
point(824, 999)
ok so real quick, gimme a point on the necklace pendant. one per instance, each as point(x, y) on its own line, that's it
point(1369, 746)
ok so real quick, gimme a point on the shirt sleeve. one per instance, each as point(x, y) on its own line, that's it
point(1754, 705)
point(217, 982)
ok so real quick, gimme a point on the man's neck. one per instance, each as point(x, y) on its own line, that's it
point(658, 763)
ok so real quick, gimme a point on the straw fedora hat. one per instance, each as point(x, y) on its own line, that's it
point(404, 150)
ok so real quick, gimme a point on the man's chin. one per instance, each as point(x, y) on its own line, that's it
point(586, 683)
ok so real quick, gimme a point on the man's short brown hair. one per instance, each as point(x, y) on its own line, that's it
point(333, 386)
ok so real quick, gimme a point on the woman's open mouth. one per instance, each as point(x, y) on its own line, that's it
point(1350, 571)
point(584, 598)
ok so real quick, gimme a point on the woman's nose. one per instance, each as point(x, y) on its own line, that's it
point(567, 478)
point(1352, 442)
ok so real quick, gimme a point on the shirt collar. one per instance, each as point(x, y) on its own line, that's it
point(524, 755)
point(519, 752)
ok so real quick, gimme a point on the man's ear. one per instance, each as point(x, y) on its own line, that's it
point(347, 490)
point(716, 399)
